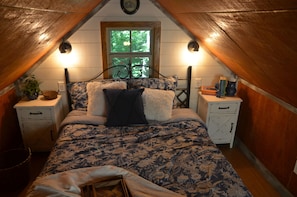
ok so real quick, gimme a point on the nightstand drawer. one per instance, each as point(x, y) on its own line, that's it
point(36, 114)
point(223, 107)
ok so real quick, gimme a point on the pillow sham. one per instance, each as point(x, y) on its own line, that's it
point(124, 107)
point(96, 99)
point(78, 95)
point(158, 104)
point(169, 83)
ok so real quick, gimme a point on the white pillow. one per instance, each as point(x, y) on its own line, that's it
point(96, 98)
point(157, 104)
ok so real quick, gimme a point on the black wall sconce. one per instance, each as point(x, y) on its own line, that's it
point(193, 46)
point(65, 47)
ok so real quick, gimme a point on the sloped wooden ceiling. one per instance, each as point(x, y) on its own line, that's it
point(29, 29)
point(256, 39)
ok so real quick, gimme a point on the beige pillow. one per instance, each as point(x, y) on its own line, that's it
point(157, 104)
point(96, 98)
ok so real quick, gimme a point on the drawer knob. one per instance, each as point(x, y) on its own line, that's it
point(35, 113)
point(224, 107)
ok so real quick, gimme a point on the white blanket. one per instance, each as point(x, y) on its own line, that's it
point(67, 183)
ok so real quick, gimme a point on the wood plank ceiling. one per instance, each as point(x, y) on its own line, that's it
point(29, 29)
point(256, 39)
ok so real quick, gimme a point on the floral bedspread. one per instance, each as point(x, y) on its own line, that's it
point(176, 154)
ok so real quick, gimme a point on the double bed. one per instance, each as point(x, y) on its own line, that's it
point(160, 151)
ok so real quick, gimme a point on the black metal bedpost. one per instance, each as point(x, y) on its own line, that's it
point(67, 81)
point(189, 77)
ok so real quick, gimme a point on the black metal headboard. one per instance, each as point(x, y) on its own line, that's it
point(182, 94)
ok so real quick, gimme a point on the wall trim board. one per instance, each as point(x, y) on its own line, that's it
point(263, 170)
point(7, 89)
point(274, 98)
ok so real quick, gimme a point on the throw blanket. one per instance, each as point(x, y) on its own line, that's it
point(67, 183)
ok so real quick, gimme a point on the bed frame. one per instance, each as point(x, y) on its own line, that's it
point(182, 94)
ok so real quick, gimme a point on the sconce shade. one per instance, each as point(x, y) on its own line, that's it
point(65, 47)
point(193, 46)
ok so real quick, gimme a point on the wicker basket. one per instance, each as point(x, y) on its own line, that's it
point(14, 168)
point(49, 95)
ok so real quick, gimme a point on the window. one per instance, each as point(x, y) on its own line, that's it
point(132, 45)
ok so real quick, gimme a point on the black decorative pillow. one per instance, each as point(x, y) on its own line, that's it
point(124, 107)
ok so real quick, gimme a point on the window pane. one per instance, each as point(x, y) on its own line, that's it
point(140, 41)
point(141, 67)
point(145, 61)
point(120, 41)
point(121, 71)
point(120, 61)
point(131, 43)
point(140, 71)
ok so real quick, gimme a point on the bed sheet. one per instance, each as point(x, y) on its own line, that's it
point(176, 154)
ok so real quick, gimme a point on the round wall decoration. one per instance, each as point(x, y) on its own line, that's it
point(130, 6)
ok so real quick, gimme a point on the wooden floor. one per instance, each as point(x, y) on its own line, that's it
point(249, 173)
point(252, 178)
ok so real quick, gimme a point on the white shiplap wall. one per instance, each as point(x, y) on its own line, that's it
point(85, 59)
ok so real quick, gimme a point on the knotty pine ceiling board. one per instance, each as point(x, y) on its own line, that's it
point(221, 45)
point(30, 29)
point(257, 49)
point(77, 6)
point(269, 39)
point(255, 39)
point(21, 41)
point(224, 6)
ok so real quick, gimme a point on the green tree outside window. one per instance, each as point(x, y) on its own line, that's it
point(133, 46)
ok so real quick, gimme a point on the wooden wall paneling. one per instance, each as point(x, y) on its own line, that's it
point(10, 134)
point(269, 131)
point(292, 183)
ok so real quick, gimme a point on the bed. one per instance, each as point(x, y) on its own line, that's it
point(161, 152)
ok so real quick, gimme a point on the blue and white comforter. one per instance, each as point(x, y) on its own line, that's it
point(177, 154)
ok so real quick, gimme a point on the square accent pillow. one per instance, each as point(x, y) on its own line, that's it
point(158, 104)
point(96, 99)
point(125, 107)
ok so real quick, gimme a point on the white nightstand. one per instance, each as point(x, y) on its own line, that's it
point(39, 122)
point(220, 116)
